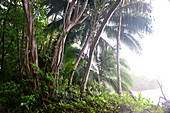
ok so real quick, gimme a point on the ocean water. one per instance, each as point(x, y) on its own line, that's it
point(153, 94)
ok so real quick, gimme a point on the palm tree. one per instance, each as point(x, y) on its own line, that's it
point(117, 53)
point(103, 70)
point(124, 25)
point(135, 21)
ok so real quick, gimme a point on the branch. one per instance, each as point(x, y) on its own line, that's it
point(32, 3)
point(70, 10)
point(77, 9)
point(160, 85)
point(81, 21)
point(80, 14)
point(64, 18)
point(38, 10)
point(42, 46)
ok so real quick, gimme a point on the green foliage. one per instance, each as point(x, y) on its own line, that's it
point(69, 100)
point(43, 91)
point(10, 93)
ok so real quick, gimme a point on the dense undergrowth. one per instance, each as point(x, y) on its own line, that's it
point(20, 98)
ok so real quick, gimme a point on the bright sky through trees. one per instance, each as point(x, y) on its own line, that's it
point(155, 59)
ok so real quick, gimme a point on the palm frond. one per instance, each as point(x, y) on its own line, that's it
point(71, 54)
point(131, 42)
point(126, 38)
point(54, 25)
point(54, 6)
point(113, 83)
point(124, 63)
point(137, 23)
point(125, 77)
point(124, 86)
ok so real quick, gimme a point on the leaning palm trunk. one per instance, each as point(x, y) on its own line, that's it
point(79, 58)
point(117, 54)
point(94, 43)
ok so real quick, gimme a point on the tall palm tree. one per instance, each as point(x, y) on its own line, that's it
point(134, 21)
point(124, 21)
point(118, 47)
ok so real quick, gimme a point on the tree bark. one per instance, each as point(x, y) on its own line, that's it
point(94, 43)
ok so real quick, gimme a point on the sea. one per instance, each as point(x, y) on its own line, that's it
point(153, 94)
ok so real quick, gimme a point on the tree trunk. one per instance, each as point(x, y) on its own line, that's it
point(57, 59)
point(49, 44)
point(30, 32)
point(117, 54)
point(22, 47)
point(3, 40)
point(19, 48)
point(27, 67)
point(68, 24)
point(94, 43)
point(42, 47)
point(32, 41)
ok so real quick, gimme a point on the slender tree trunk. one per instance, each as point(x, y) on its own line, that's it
point(117, 54)
point(19, 48)
point(22, 47)
point(42, 46)
point(27, 67)
point(118, 68)
point(94, 43)
point(49, 44)
point(79, 58)
point(48, 48)
point(32, 43)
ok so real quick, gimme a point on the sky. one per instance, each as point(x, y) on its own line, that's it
point(154, 62)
